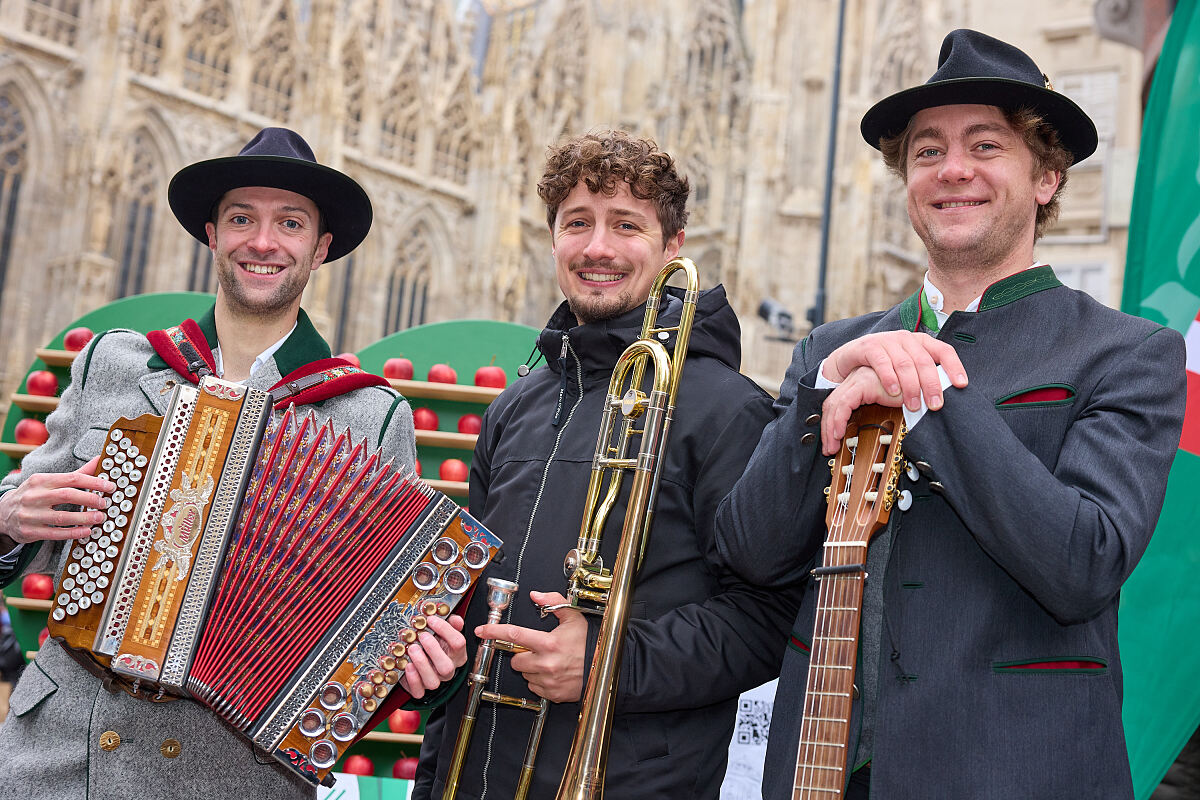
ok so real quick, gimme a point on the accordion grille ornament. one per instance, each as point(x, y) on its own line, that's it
point(270, 567)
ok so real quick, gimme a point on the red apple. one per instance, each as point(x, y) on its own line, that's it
point(400, 369)
point(31, 431)
point(358, 765)
point(442, 373)
point(491, 376)
point(470, 423)
point(417, 467)
point(452, 469)
point(42, 382)
point(43, 636)
point(37, 586)
point(350, 358)
point(402, 720)
point(77, 338)
point(405, 768)
point(424, 419)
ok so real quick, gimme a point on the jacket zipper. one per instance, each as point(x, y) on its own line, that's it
point(499, 662)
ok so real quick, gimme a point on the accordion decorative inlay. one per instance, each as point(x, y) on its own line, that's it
point(268, 566)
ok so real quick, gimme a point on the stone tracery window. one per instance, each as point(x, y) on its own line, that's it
point(400, 127)
point(452, 150)
point(57, 20)
point(132, 232)
point(408, 285)
point(273, 82)
point(352, 82)
point(209, 42)
point(14, 162)
point(145, 56)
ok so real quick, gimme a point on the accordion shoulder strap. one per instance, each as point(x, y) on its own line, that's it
point(321, 380)
point(186, 351)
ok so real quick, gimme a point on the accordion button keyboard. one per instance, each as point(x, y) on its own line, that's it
point(111, 551)
point(109, 526)
point(102, 581)
point(85, 562)
point(97, 596)
point(89, 548)
point(68, 584)
point(76, 593)
point(106, 567)
point(85, 603)
point(64, 598)
point(72, 609)
point(106, 464)
point(121, 520)
point(116, 536)
point(59, 615)
point(72, 569)
point(111, 449)
point(77, 552)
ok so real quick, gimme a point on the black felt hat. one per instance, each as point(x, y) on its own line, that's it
point(280, 159)
point(976, 68)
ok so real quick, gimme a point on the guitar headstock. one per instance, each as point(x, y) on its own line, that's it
point(865, 472)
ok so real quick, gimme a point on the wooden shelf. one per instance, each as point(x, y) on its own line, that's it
point(446, 391)
point(56, 358)
point(34, 402)
point(460, 441)
point(452, 488)
point(28, 604)
point(17, 451)
point(396, 738)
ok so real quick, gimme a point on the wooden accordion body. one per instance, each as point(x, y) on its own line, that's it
point(265, 565)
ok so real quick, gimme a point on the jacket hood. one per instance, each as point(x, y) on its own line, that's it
point(716, 332)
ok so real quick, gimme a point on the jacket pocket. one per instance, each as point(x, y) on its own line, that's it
point(1083, 665)
point(33, 687)
point(90, 444)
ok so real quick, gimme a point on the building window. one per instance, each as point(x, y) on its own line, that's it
point(145, 56)
point(209, 42)
point(452, 156)
point(57, 20)
point(399, 128)
point(408, 286)
point(272, 84)
point(14, 146)
point(133, 223)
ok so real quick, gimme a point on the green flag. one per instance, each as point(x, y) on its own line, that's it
point(1160, 604)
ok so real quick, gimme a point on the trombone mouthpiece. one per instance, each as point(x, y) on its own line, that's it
point(500, 593)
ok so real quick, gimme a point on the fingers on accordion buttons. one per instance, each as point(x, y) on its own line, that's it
point(443, 609)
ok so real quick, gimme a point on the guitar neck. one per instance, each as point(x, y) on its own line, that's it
point(821, 759)
point(860, 495)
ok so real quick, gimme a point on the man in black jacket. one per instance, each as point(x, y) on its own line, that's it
point(698, 637)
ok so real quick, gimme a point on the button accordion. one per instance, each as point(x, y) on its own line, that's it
point(266, 565)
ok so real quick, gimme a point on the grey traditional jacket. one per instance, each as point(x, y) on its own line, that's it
point(1038, 488)
point(51, 743)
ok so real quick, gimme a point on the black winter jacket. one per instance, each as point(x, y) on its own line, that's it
point(698, 636)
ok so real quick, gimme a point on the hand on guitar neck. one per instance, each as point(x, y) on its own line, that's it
point(892, 368)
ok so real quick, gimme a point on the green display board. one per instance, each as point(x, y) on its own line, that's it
point(1160, 604)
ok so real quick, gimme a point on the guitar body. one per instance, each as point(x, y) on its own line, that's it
point(860, 497)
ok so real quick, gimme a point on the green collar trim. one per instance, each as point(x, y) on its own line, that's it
point(1016, 287)
point(1001, 293)
point(304, 346)
point(910, 311)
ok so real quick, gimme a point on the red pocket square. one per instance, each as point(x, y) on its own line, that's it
point(1039, 394)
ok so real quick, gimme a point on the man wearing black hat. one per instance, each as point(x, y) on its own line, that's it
point(271, 215)
point(988, 665)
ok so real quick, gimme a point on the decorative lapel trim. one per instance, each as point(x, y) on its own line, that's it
point(910, 312)
point(1015, 287)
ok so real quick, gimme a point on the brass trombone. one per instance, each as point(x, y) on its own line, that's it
point(591, 587)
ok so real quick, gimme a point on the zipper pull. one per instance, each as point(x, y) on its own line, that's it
point(562, 384)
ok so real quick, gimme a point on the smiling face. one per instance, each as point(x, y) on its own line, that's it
point(607, 251)
point(972, 189)
point(265, 245)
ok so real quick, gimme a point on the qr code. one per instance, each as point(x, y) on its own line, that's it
point(753, 722)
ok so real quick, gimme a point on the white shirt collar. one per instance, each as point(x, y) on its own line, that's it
point(262, 358)
point(936, 300)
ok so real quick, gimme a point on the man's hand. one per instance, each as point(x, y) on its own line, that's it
point(27, 513)
point(439, 651)
point(554, 666)
point(905, 363)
